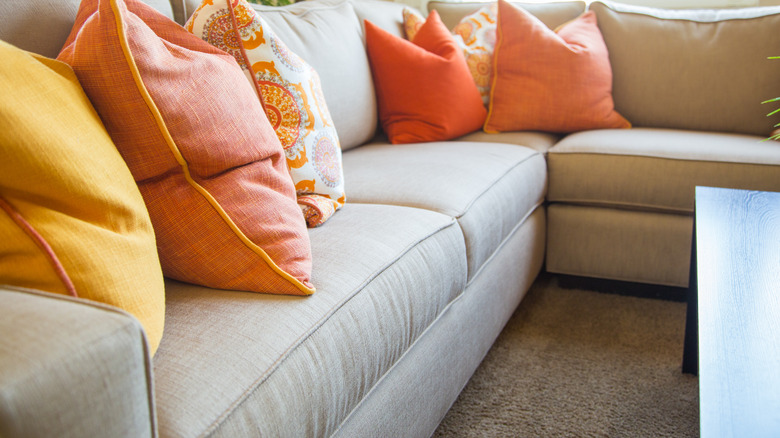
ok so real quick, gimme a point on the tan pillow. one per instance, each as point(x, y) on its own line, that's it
point(701, 70)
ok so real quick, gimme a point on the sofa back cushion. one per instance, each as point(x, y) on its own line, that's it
point(552, 14)
point(41, 26)
point(697, 69)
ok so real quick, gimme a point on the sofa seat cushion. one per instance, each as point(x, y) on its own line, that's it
point(241, 364)
point(490, 188)
point(657, 169)
point(538, 141)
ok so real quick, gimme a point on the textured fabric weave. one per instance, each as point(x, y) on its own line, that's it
point(488, 175)
point(72, 368)
point(299, 366)
point(657, 169)
point(71, 218)
point(550, 81)
point(291, 94)
point(208, 163)
point(697, 69)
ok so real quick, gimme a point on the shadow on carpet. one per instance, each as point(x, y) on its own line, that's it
point(578, 363)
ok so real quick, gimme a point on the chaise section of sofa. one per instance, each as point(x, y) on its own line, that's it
point(692, 83)
point(622, 201)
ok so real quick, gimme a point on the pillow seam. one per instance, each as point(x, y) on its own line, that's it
point(183, 163)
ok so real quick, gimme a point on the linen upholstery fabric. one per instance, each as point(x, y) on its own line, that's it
point(291, 95)
point(619, 244)
point(58, 15)
point(299, 366)
point(424, 89)
point(488, 173)
point(552, 14)
point(309, 31)
point(48, 368)
point(475, 34)
point(550, 81)
point(641, 232)
point(716, 72)
point(664, 166)
point(71, 218)
point(419, 390)
point(197, 141)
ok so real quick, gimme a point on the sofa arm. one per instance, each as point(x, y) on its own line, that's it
point(72, 368)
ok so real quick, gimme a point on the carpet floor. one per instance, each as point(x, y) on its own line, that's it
point(578, 363)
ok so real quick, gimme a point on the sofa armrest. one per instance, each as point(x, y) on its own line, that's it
point(72, 368)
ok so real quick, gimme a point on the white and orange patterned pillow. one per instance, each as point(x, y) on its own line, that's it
point(291, 94)
point(475, 34)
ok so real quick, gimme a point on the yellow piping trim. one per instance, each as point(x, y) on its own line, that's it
point(183, 163)
point(494, 79)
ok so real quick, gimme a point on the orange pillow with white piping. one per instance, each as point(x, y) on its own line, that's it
point(555, 81)
point(196, 139)
point(424, 88)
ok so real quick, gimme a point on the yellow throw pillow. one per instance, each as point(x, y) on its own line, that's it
point(72, 220)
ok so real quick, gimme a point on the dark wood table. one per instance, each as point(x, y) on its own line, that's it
point(734, 312)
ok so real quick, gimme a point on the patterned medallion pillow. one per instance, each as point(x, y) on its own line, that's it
point(291, 93)
point(71, 218)
point(555, 81)
point(475, 34)
point(424, 88)
point(198, 143)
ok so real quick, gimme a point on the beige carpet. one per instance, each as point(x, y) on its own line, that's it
point(578, 363)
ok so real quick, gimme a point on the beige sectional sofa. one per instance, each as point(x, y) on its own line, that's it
point(435, 248)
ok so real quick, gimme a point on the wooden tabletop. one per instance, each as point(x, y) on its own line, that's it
point(738, 260)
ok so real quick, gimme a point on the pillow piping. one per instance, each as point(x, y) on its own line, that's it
point(41, 242)
point(183, 163)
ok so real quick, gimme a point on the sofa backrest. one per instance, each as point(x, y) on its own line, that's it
point(694, 69)
point(552, 14)
point(41, 26)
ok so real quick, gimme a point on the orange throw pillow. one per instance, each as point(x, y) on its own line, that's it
point(424, 87)
point(550, 81)
point(207, 162)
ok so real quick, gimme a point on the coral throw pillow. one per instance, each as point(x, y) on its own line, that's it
point(199, 146)
point(71, 218)
point(292, 96)
point(424, 87)
point(550, 81)
point(475, 34)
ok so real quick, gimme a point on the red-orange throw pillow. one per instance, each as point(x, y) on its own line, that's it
point(424, 87)
point(208, 163)
point(550, 81)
